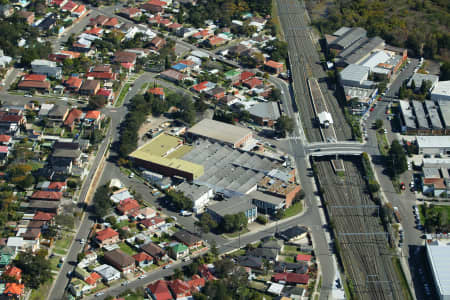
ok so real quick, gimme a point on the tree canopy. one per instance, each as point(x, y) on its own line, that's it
point(35, 269)
point(396, 160)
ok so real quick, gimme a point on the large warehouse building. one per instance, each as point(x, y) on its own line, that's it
point(438, 256)
point(163, 155)
point(224, 133)
point(433, 145)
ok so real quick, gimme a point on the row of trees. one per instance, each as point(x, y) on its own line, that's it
point(436, 219)
point(224, 10)
point(230, 223)
point(141, 106)
point(401, 23)
point(179, 200)
point(102, 202)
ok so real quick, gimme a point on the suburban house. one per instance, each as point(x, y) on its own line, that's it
point(180, 288)
point(293, 233)
point(131, 12)
point(216, 93)
point(73, 84)
point(46, 67)
point(291, 278)
point(89, 87)
point(157, 92)
point(188, 239)
point(265, 114)
point(159, 290)
point(120, 260)
point(143, 259)
point(73, 118)
point(128, 206)
point(107, 236)
point(108, 273)
point(27, 16)
point(157, 43)
point(172, 75)
point(46, 196)
point(178, 251)
point(274, 67)
point(154, 251)
point(58, 114)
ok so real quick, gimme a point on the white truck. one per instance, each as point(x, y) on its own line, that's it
point(185, 213)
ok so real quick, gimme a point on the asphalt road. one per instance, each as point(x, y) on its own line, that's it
point(404, 75)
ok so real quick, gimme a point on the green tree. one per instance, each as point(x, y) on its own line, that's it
point(102, 202)
point(35, 269)
point(275, 95)
point(445, 71)
point(207, 223)
point(284, 124)
point(379, 124)
point(396, 160)
point(180, 200)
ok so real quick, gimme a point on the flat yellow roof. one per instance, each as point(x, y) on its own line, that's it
point(166, 150)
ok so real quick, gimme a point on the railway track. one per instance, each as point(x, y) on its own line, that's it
point(305, 63)
point(366, 257)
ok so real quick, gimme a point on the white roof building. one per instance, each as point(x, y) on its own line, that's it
point(441, 91)
point(324, 118)
point(275, 289)
point(433, 145)
point(375, 59)
point(107, 272)
point(125, 194)
point(438, 256)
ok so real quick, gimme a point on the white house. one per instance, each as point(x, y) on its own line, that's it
point(46, 67)
point(199, 194)
point(108, 273)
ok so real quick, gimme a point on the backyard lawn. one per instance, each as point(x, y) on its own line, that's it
point(127, 249)
point(295, 209)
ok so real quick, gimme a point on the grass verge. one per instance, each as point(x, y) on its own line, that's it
point(41, 292)
point(404, 284)
point(383, 144)
point(236, 234)
point(127, 249)
point(295, 209)
point(122, 95)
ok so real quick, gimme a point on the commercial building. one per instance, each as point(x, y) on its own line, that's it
point(441, 91)
point(433, 145)
point(265, 114)
point(425, 118)
point(438, 258)
point(46, 67)
point(163, 155)
point(357, 76)
point(231, 135)
point(231, 206)
point(198, 194)
point(419, 78)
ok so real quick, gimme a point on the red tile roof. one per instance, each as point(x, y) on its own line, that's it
point(111, 22)
point(74, 114)
point(43, 216)
point(206, 273)
point(215, 40)
point(4, 149)
point(246, 75)
point(303, 257)
point(74, 82)
point(13, 272)
point(437, 182)
point(157, 91)
point(80, 9)
point(104, 92)
point(160, 290)
point(128, 205)
point(56, 185)
point(142, 256)
point(69, 6)
point(273, 64)
point(92, 115)
point(291, 278)
point(196, 282)
point(200, 87)
point(4, 138)
point(157, 2)
point(35, 77)
point(101, 75)
point(253, 82)
point(34, 84)
point(93, 278)
point(106, 234)
point(14, 289)
point(127, 65)
point(152, 221)
point(72, 54)
point(46, 195)
point(94, 31)
point(180, 288)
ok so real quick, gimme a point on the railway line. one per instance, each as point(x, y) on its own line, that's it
point(364, 249)
point(305, 63)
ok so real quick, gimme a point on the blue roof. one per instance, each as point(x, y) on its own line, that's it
point(179, 66)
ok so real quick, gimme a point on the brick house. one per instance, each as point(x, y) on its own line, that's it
point(120, 260)
point(106, 236)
